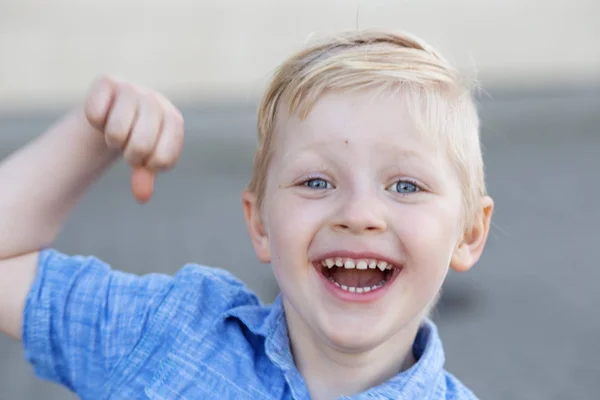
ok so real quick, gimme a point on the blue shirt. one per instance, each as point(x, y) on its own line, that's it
point(200, 334)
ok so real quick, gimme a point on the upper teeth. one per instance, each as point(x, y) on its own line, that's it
point(351, 263)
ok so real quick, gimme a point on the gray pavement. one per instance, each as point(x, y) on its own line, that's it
point(523, 324)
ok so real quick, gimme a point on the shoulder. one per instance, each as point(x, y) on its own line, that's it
point(217, 286)
point(89, 326)
point(197, 296)
point(194, 289)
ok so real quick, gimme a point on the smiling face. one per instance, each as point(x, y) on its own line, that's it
point(361, 220)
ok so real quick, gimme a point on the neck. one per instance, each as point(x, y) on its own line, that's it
point(333, 372)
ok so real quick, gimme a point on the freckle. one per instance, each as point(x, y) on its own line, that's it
point(345, 141)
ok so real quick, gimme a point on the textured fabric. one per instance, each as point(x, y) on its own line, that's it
point(200, 334)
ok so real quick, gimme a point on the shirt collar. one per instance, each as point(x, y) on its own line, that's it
point(417, 381)
point(269, 323)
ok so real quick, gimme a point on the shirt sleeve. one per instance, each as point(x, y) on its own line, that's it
point(82, 318)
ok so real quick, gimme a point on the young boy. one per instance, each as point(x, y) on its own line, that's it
point(367, 185)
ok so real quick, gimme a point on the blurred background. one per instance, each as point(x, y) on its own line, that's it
point(523, 324)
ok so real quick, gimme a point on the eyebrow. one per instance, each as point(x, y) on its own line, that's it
point(406, 153)
point(399, 151)
point(391, 153)
point(410, 154)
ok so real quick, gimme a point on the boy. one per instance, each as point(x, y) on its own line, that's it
point(367, 185)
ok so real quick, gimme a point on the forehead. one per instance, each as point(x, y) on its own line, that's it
point(357, 121)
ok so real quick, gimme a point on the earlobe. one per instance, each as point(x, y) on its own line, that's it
point(469, 249)
point(256, 229)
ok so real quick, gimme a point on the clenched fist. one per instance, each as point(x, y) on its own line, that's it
point(141, 123)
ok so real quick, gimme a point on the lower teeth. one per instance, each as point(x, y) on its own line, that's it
point(353, 289)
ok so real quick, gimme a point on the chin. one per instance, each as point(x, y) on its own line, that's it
point(355, 336)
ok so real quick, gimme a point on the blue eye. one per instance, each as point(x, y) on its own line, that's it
point(404, 187)
point(317, 183)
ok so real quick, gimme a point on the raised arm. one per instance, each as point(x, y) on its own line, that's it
point(41, 182)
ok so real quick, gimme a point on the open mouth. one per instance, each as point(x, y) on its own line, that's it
point(357, 275)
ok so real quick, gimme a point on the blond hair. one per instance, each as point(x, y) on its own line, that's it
point(439, 98)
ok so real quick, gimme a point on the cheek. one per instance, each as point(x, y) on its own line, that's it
point(292, 225)
point(428, 235)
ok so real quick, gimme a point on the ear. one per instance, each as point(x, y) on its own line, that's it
point(258, 234)
point(469, 249)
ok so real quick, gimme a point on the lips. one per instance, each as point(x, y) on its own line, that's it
point(356, 274)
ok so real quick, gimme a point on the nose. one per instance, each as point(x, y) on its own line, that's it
point(360, 213)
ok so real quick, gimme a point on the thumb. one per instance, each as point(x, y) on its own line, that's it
point(142, 183)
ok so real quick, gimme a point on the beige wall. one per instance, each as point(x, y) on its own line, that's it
point(50, 50)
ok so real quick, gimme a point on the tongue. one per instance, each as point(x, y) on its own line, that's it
point(357, 277)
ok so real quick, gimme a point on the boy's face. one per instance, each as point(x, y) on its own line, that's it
point(356, 183)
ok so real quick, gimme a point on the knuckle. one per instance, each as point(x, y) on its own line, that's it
point(118, 124)
point(141, 147)
point(114, 135)
point(103, 79)
point(148, 101)
point(99, 83)
point(151, 98)
point(169, 109)
point(97, 102)
point(178, 117)
point(92, 111)
point(129, 98)
point(150, 112)
point(178, 122)
point(176, 127)
point(162, 161)
point(145, 147)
